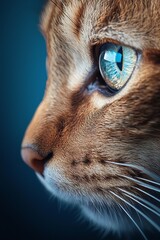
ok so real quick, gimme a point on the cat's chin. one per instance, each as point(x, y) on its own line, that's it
point(110, 219)
point(102, 218)
point(105, 215)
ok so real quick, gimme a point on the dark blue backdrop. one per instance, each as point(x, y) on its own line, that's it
point(27, 210)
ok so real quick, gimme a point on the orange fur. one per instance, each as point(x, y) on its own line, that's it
point(83, 130)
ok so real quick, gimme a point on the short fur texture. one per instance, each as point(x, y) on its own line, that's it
point(83, 135)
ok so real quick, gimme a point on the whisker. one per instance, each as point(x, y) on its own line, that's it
point(150, 209)
point(150, 195)
point(142, 169)
point(128, 194)
point(150, 181)
point(141, 183)
point(137, 210)
point(134, 222)
point(96, 208)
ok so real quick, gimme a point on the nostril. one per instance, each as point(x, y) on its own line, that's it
point(35, 160)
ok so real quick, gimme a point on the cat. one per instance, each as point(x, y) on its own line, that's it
point(95, 138)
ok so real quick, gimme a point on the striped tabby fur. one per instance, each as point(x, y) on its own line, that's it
point(101, 153)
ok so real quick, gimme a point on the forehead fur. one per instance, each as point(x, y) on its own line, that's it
point(134, 23)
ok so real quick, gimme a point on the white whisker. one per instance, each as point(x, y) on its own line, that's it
point(137, 210)
point(141, 183)
point(140, 168)
point(150, 195)
point(134, 222)
point(142, 200)
point(135, 200)
point(150, 181)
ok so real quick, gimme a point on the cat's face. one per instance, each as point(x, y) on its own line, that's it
point(91, 144)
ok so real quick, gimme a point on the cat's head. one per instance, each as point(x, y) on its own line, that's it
point(95, 138)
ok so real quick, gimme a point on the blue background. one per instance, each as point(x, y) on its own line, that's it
point(27, 210)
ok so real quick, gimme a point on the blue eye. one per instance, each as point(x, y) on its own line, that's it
point(116, 64)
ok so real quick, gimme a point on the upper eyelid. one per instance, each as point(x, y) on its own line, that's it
point(95, 47)
point(100, 42)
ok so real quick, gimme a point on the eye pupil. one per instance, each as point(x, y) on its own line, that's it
point(119, 59)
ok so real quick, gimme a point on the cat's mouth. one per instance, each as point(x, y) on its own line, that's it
point(77, 193)
point(68, 193)
point(89, 195)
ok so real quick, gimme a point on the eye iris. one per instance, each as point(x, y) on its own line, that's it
point(116, 64)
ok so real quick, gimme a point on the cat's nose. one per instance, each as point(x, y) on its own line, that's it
point(34, 159)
